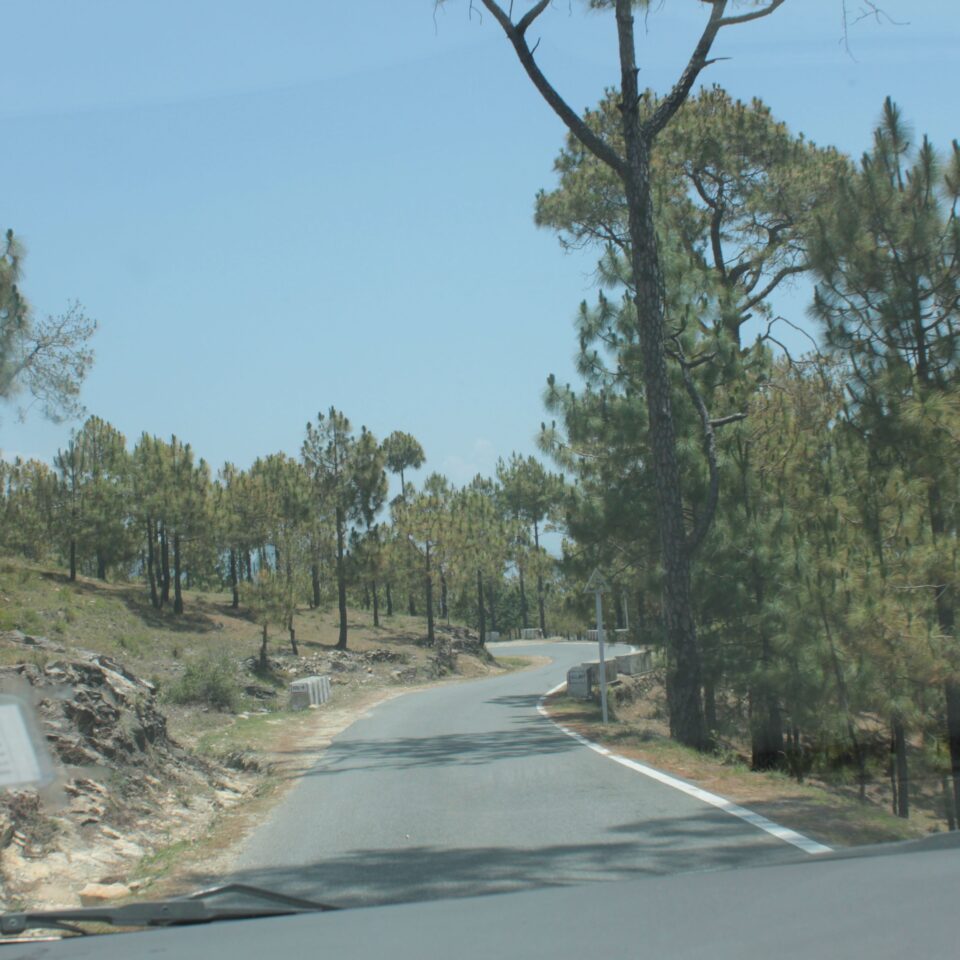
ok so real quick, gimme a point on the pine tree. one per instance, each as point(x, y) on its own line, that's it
point(887, 255)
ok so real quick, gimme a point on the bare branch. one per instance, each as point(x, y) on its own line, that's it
point(594, 143)
point(774, 283)
point(755, 15)
point(675, 98)
point(524, 22)
point(731, 418)
point(798, 329)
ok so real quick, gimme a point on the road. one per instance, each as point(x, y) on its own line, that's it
point(465, 789)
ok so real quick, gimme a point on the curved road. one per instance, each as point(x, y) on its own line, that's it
point(465, 789)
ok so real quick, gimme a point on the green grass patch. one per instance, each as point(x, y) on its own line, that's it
point(155, 865)
point(253, 733)
point(210, 680)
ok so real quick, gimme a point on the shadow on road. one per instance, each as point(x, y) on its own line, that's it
point(420, 872)
point(523, 701)
point(448, 749)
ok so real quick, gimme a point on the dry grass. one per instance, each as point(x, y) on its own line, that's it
point(118, 620)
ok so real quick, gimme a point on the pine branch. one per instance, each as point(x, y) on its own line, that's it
point(516, 35)
point(755, 15)
point(698, 60)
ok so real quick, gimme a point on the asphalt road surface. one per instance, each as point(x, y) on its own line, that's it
point(465, 789)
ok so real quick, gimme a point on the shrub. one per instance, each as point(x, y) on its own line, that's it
point(210, 680)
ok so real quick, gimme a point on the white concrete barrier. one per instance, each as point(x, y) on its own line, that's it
point(633, 664)
point(578, 683)
point(593, 670)
point(308, 692)
point(531, 633)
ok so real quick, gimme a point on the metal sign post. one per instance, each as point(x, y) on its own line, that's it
point(596, 584)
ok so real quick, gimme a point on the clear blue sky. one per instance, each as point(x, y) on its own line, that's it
point(272, 208)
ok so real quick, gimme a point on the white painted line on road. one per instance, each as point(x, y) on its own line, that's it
point(727, 806)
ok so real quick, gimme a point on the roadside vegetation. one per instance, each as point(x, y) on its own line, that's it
point(176, 736)
point(824, 803)
point(783, 527)
point(205, 664)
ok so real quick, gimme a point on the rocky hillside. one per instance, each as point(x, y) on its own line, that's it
point(122, 787)
point(150, 721)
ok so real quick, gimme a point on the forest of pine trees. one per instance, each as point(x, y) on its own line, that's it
point(819, 494)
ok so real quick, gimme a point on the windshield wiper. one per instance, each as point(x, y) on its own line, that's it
point(164, 913)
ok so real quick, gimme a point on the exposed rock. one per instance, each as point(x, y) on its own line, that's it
point(444, 659)
point(96, 893)
point(43, 643)
point(123, 784)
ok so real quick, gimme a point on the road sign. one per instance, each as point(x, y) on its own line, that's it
point(596, 582)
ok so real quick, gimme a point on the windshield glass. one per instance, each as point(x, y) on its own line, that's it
point(454, 448)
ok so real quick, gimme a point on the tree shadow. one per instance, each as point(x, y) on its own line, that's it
point(520, 701)
point(366, 876)
point(137, 602)
point(442, 750)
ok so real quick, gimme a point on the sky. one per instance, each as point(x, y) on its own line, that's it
point(275, 208)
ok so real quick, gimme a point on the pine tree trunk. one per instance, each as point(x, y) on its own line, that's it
point(536, 543)
point(411, 604)
point(618, 609)
point(795, 753)
point(376, 604)
point(315, 584)
point(234, 586)
point(943, 601)
point(899, 749)
point(249, 564)
point(151, 574)
point(767, 724)
point(164, 566)
point(948, 803)
point(480, 609)
point(341, 581)
point(177, 595)
point(73, 559)
point(858, 752)
point(493, 608)
point(389, 600)
point(101, 566)
point(292, 593)
point(952, 693)
point(263, 649)
point(524, 617)
point(641, 628)
point(444, 611)
point(710, 704)
point(766, 732)
point(429, 599)
point(684, 702)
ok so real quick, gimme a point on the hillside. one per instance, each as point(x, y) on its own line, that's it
point(161, 724)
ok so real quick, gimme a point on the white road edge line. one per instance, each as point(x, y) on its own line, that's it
point(727, 806)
